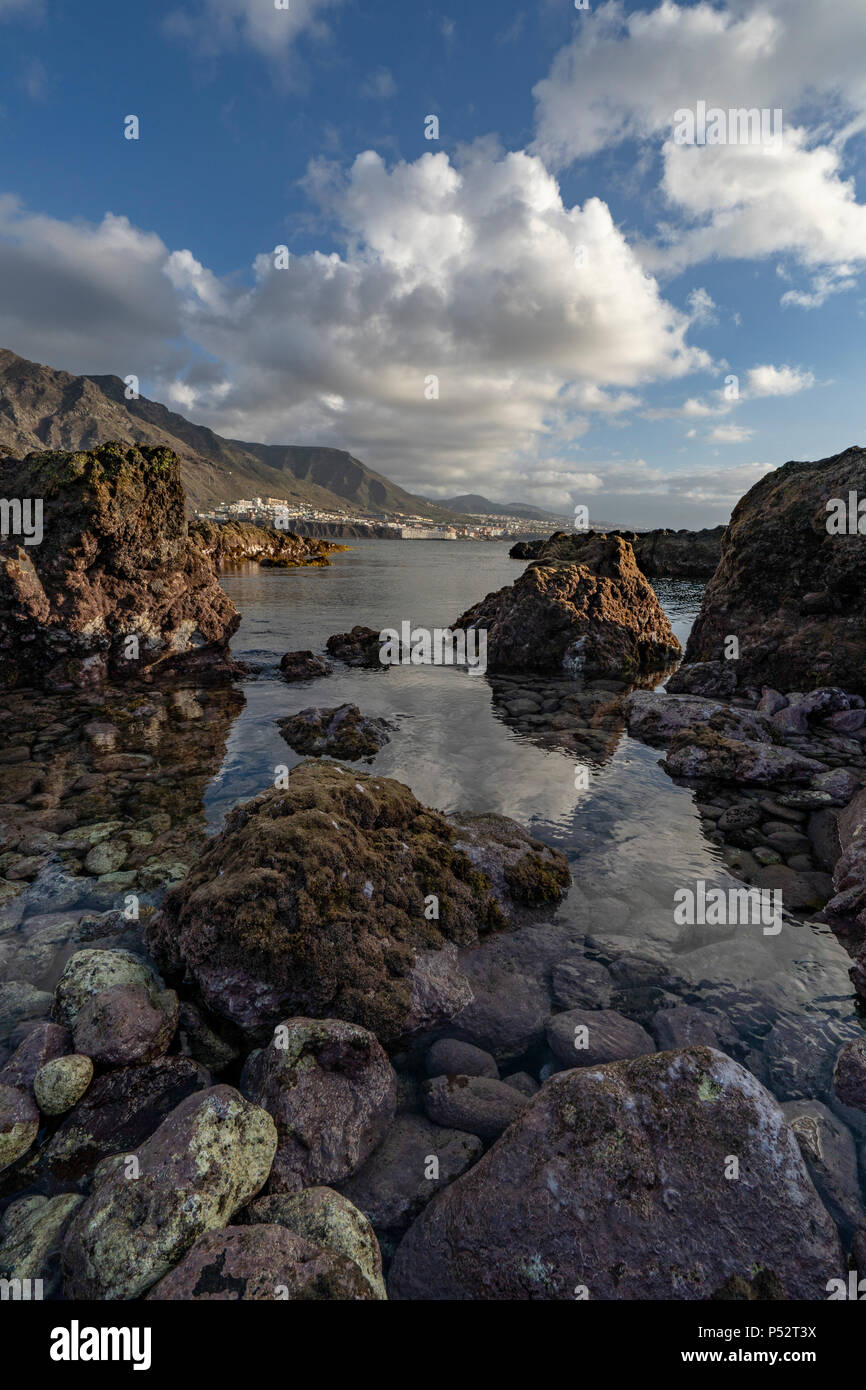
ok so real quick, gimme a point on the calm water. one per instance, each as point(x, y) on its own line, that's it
point(632, 836)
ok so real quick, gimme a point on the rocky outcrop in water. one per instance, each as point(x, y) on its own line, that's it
point(234, 542)
point(343, 732)
point(115, 587)
point(661, 554)
point(791, 584)
point(596, 617)
point(609, 1166)
point(343, 897)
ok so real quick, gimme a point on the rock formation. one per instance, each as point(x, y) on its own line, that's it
point(114, 587)
point(790, 586)
point(596, 617)
point(320, 900)
point(661, 554)
point(233, 542)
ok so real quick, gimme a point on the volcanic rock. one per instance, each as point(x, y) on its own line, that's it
point(598, 617)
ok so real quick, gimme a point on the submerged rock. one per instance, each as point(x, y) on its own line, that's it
point(116, 587)
point(479, 1105)
point(321, 901)
point(332, 1093)
point(599, 617)
point(415, 1160)
point(614, 1180)
point(360, 647)
point(303, 666)
point(790, 585)
point(343, 732)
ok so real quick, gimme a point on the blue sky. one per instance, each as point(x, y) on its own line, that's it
point(580, 286)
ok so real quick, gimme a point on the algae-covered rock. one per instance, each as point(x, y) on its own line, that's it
point(62, 1082)
point(343, 732)
point(31, 1231)
point(326, 898)
point(596, 617)
point(619, 1181)
point(332, 1093)
point(326, 1218)
point(262, 1262)
point(206, 1160)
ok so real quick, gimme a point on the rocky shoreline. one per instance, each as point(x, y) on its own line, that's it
point(352, 1047)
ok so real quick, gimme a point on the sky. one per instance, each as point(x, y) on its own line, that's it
point(547, 294)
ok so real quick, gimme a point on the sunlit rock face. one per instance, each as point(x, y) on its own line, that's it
point(596, 617)
point(108, 585)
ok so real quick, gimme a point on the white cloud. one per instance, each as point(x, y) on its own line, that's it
point(467, 273)
point(625, 75)
point(768, 380)
point(729, 434)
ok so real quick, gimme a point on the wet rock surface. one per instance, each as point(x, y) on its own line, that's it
point(312, 900)
point(343, 732)
point(655, 1132)
point(303, 666)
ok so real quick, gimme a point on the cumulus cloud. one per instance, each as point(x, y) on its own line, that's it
point(768, 380)
point(624, 76)
point(471, 327)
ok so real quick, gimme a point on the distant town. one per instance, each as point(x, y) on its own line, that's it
point(283, 515)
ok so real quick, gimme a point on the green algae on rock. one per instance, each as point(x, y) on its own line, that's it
point(342, 896)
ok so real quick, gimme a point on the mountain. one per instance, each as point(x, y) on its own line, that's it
point(41, 408)
point(471, 504)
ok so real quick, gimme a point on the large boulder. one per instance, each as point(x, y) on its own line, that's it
point(596, 617)
point(332, 1093)
point(788, 586)
point(208, 1158)
point(616, 1183)
point(115, 563)
point(321, 900)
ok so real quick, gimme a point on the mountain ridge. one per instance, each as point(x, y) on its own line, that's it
point(42, 407)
